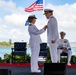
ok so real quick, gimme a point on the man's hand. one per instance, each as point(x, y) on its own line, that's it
point(63, 48)
point(53, 41)
point(45, 27)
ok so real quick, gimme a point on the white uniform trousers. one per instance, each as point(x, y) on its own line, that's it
point(69, 52)
point(34, 57)
point(53, 52)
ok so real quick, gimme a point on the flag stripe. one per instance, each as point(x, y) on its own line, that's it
point(38, 5)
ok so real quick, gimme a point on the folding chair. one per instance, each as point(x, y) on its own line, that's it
point(19, 49)
point(43, 49)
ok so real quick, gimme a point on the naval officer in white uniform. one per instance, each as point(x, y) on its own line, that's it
point(34, 41)
point(64, 46)
point(52, 34)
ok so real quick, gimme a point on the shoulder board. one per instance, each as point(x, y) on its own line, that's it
point(30, 24)
point(52, 17)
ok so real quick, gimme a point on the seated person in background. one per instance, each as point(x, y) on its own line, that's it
point(64, 46)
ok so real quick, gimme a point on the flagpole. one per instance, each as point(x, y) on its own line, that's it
point(43, 10)
point(44, 19)
point(43, 7)
point(43, 4)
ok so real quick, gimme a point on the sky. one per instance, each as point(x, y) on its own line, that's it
point(13, 18)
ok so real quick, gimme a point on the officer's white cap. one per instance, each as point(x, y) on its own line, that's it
point(32, 16)
point(63, 33)
point(48, 10)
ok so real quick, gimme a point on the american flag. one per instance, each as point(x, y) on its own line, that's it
point(36, 6)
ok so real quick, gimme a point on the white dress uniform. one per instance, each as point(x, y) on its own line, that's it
point(64, 43)
point(52, 34)
point(34, 41)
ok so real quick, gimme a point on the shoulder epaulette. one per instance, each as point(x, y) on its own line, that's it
point(52, 17)
point(30, 24)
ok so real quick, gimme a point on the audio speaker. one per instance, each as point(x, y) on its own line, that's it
point(54, 68)
point(5, 72)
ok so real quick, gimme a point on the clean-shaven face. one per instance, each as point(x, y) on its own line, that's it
point(62, 36)
point(34, 20)
point(48, 14)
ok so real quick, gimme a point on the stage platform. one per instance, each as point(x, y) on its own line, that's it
point(24, 69)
